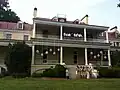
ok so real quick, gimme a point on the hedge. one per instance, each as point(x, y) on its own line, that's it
point(113, 72)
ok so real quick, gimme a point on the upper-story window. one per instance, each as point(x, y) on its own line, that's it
point(8, 36)
point(26, 37)
point(20, 25)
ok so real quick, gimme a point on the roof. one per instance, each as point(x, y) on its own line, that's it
point(68, 23)
point(13, 26)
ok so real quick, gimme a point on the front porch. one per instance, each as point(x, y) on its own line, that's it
point(52, 55)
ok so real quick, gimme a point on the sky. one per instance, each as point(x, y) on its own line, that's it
point(101, 12)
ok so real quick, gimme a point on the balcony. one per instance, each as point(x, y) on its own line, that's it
point(54, 40)
point(55, 37)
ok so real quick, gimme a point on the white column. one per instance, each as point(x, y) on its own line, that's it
point(61, 48)
point(61, 55)
point(86, 60)
point(109, 59)
point(61, 32)
point(85, 38)
point(107, 40)
point(34, 25)
point(33, 54)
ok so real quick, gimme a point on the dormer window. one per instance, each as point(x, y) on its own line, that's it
point(20, 25)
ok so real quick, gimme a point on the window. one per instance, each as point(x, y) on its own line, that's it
point(20, 25)
point(26, 37)
point(8, 36)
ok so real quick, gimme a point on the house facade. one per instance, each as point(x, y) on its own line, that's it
point(59, 41)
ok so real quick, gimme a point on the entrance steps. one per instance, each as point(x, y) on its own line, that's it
point(72, 71)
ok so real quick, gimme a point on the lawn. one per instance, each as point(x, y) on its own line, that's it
point(38, 84)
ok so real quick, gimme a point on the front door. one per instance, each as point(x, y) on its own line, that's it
point(75, 57)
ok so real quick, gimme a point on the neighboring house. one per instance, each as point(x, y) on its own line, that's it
point(11, 33)
point(58, 41)
point(16, 31)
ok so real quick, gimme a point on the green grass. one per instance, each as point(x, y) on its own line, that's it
point(38, 84)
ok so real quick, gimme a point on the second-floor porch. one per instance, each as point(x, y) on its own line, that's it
point(45, 31)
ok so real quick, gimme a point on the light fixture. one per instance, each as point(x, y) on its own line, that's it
point(54, 53)
point(46, 52)
point(98, 55)
point(37, 51)
point(58, 49)
point(101, 52)
point(50, 50)
point(41, 54)
point(91, 53)
point(105, 57)
point(94, 56)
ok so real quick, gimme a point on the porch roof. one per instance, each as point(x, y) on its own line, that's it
point(68, 24)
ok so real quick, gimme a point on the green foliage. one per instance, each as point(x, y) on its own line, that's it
point(4, 4)
point(109, 72)
point(115, 58)
point(58, 72)
point(18, 59)
point(7, 14)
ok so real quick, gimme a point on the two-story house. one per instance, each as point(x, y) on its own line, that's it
point(59, 41)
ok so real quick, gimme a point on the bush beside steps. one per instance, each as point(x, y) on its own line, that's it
point(58, 72)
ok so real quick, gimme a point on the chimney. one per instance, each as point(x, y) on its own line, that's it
point(35, 13)
point(86, 19)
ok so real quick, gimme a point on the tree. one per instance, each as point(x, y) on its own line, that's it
point(118, 5)
point(7, 14)
point(115, 58)
point(4, 4)
point(18, 59)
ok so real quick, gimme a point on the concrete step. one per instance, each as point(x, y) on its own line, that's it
point(72, 71)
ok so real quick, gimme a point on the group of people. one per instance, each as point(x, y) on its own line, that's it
point(86, 71)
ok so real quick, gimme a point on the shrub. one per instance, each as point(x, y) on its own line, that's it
point(59, 72)
point(109, 72)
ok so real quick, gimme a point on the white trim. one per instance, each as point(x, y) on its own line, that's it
point(61, 32)
point(85, 38)
point(70, 25)
point(109, 59)
point(107, 38)
point(18, 31)
point(61, 55)
point(33, 54)
point(34, 27)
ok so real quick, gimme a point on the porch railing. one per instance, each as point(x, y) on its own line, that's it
point(47, 62)
point(99, 63)
point(55, 37)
